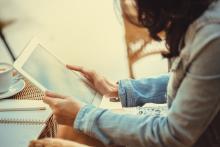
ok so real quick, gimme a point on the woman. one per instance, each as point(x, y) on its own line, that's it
point(192, 34)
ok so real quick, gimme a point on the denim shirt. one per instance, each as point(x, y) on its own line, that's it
point(147, 90)
point(193, 98)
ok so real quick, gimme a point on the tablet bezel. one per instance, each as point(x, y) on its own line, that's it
point(24, 57)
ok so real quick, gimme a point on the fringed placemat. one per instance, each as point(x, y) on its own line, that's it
point(31, 92)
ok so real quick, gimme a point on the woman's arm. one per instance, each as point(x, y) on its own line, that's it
point(195, 106)
point(144, 90)
point(147, 90)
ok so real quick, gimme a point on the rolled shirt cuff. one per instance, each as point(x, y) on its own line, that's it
point(125, 93)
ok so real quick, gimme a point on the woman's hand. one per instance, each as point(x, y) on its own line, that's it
point(100, 84)
point(49, 142)
point(64, 108)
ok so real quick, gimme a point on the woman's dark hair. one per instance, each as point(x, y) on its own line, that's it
point(171, 16)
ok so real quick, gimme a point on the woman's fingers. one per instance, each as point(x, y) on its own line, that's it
point(83, 72)
point(80, 69)
point(52, 98)
point(45, 143)
point(76, 68)
point(35, 143)
point(40, 143)
point(51, 142)
point(54, 95)
point(89, 75)
point(50, 101)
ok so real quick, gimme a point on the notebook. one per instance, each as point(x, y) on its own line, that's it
point(19, 135)
point(24, 111)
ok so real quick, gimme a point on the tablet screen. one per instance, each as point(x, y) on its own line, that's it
point(47, 70)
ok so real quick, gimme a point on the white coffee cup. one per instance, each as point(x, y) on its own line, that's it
point(5, 77)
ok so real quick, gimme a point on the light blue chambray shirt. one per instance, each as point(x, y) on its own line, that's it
point(193, 97)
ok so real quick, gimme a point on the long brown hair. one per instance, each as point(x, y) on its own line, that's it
point(171, 16)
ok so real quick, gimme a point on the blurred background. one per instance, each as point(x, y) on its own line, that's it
point(88, 33)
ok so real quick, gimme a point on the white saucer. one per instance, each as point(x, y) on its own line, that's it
point(14, 89)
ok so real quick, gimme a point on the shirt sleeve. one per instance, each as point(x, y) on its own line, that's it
point(138, 92)
point(196, 104)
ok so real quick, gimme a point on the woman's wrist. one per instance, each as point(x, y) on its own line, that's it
point(113, 91)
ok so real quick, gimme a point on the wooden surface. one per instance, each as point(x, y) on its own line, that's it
point(135, 34)
point(68, 133)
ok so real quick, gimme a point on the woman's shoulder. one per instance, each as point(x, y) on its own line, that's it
point(207, 37)
point(203, 31)
point(206, 61)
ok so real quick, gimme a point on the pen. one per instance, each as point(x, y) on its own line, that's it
point(23, 109)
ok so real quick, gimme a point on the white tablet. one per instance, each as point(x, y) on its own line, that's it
point(48, 72)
